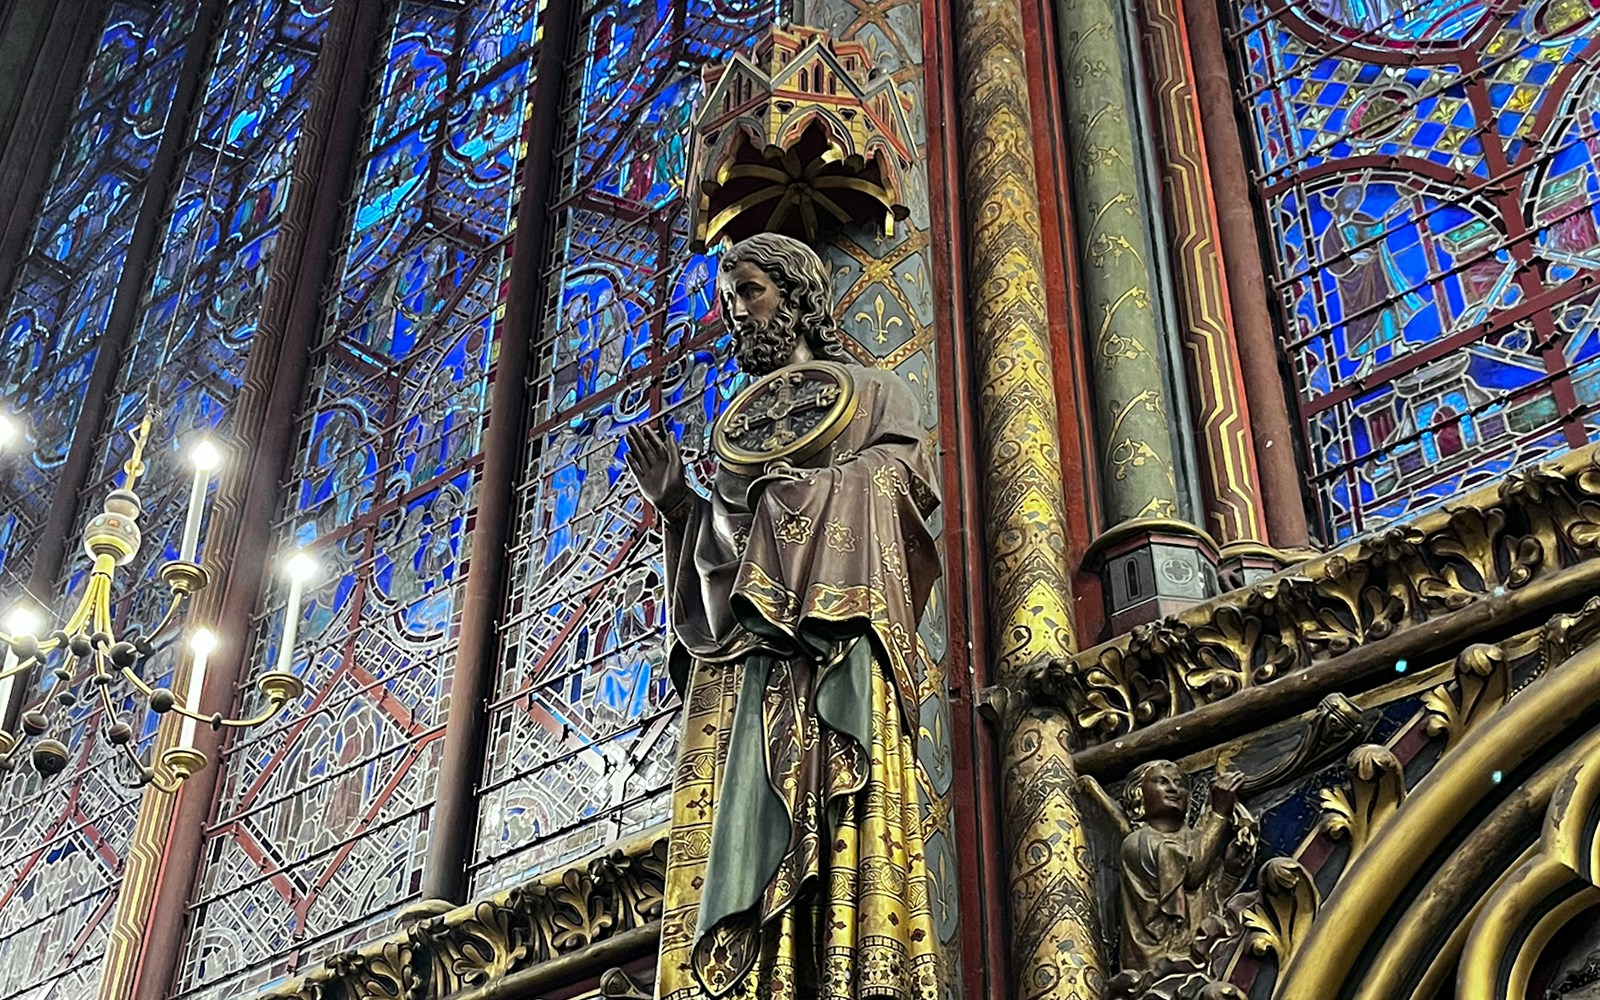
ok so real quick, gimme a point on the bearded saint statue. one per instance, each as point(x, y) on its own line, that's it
point(796, 864)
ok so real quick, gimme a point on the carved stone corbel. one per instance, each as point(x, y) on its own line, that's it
point(1279, 921)
point(1376, 787)
point(1482, 687)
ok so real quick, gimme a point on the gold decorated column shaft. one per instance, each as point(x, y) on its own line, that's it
point(1056, 949)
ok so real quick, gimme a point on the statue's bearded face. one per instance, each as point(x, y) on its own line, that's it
point(763, 327)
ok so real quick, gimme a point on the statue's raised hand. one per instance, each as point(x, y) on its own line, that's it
point(1225, 791)
point(655, 462)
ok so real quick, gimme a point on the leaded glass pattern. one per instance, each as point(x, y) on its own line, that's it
point(583, 717)
point(62, 841)
point(65, 284)
point(322, 820)
point(1430, 185)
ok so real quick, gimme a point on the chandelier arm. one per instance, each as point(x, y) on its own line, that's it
point(261, 719)
point(80, 614)
point(179, 600)
point(166, 786)
point(111, 712)
point(144, 687)
point(102, 610)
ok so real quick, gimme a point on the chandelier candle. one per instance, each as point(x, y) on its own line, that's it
point(301, 567)
point(206, 458)
point(200, 646)
point(22, 622)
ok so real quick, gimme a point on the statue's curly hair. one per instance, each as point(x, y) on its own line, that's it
point(803, 279)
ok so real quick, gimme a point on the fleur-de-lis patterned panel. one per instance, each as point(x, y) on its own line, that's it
point(1429, 177)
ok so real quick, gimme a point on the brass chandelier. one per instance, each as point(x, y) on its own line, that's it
point(87, 652)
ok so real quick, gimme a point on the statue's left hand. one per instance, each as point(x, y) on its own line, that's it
point(655, 462)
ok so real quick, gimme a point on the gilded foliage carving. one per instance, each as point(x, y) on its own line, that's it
point(1495, 541)
point(485, 941)
point(1481, 688)
point(1374, 790)
point(387, 972)
point(1278, 921)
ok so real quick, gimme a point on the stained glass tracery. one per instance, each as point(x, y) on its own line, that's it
point(62, 842)
point(1429, 174)
point(322, 822)
point(583, 717)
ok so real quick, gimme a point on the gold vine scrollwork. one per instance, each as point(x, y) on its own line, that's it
point(1537, 523)
point(1374, 791)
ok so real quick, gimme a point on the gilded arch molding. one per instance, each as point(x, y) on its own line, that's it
point(1555, 710)
point(1540, 897)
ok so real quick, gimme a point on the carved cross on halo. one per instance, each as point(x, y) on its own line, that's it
point(790, 394)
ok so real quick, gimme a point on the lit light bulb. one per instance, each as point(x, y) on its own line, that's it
point(205, 455)
point(301, 567)
point(22, 621)
point(204, 641)
point(9, 431)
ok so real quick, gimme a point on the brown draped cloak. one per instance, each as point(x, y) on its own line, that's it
point(796, 865)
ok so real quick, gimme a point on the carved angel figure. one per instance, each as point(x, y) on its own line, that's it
point(1174, 874)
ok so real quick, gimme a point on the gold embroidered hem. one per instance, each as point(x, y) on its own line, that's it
point(849, 914)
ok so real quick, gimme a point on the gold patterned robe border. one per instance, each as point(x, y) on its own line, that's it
point(1487, 545)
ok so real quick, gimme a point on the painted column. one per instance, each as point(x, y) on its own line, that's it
point(1056, 940)
point(1152, 560)
point(1231, 492)
point(1239, 247)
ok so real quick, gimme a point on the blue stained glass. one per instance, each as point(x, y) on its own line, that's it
point(1399, 197)
point(584, 715)
point(322, 824)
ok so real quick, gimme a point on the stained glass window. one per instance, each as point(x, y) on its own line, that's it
point(65, 284)
point(61, 842)
point(583, 718)
point(322, 821)
point(1430, 184)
